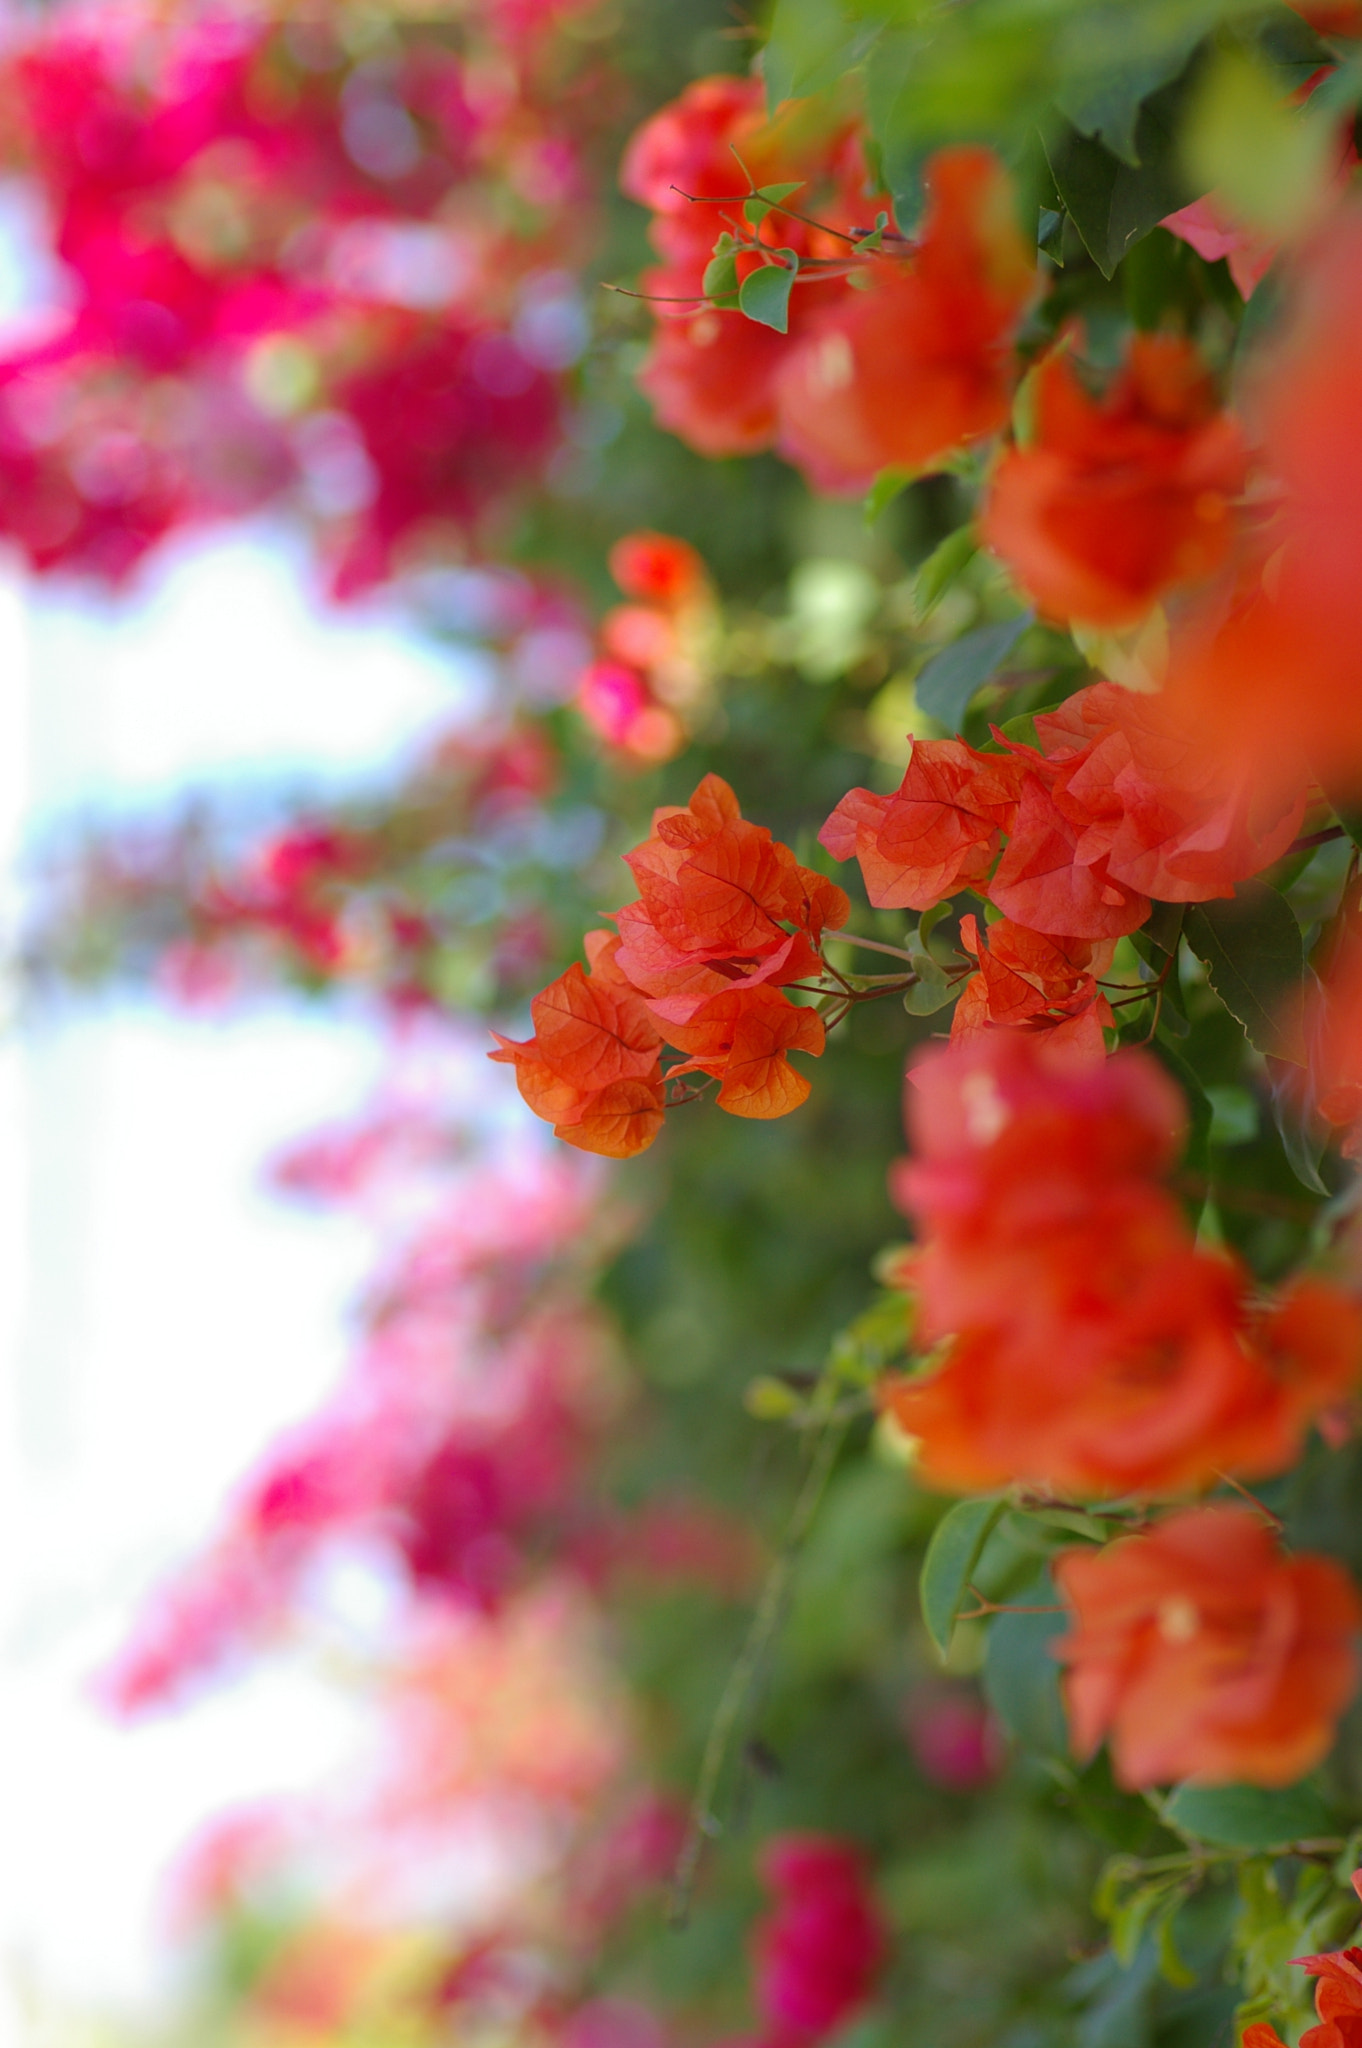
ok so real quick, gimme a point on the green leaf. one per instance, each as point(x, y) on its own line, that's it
point(1251, 947)
point(764, 198)
point(1129, 1920)
point(1249, 1816)
point(1021, 1677)
point(1114, 203)
point(945, 686)
point(932, 990)
point(720, 281)
point(888, 485)
point(1108, 108)
point(954, 1551)
point(941, 568)
point(764, 295)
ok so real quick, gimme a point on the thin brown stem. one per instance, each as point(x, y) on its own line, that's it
point(741, 199)
point(1273, 1521)
point(870, 945)
point(1317, 839)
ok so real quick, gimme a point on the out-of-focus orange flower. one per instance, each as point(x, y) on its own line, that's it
point(1202, 1650)
point(592, 1069)
point(654, 663)
point(1334, 1036)
point(922, 360)
point(1030, 981)
point(711, 374)
point(1116, 499)
point(1270, 666)
point(1092, 1346)
point(659, 569)
point(1332, 17)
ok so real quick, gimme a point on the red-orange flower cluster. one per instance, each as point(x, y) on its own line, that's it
point(1091, 1347)
point(1202, 1650)
point(1070, 840)
point(897, 374)
point(1114, 805)
point(725, 918)
point(593, 1068)
point(1116, 499)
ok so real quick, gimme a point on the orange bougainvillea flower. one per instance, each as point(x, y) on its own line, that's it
point(1271, 665)
point(1338, 2002)
point(718, 898)
point(922, 360)
point(658, 569)
point(742, 1039)
point(1121, 800)
point(1116, 499)
point(1332, 17)
point(1164, 813)
point(941, 829)
point(1203, 1650)
point(1090, 1346)
point(1043, 882)
point(1027, 980)
point(710, 375)
point(725, 918)
point(592, 1069)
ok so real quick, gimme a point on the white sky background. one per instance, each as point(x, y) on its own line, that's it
point(160, 1315)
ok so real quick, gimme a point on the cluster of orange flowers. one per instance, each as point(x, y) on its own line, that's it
point(885, 363)
point(1089, 1347)
point(1093, 1347)
point(725, 919)
point(1111, 809)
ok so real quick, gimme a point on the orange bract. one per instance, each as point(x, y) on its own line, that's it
point(742, 1039)
point(941, 829)
point(1115, 500)
point(1027, 980)
point(725, 917)
point(1269, 665)
point(592, 1069)
point(905, 371)
point(711, 374)
point(1092, 1346)
point(1203, 1651)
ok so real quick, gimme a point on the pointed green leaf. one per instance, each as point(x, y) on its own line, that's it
point(1114, 203)
point(952, 1554)
point(765, 197)
point(1249, 1816)
point(887, 486)
point(1250, 945)
point(1021, 1676)
point(941, 568)
point(764, 295)
point(950, 679)
point(720, 281)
